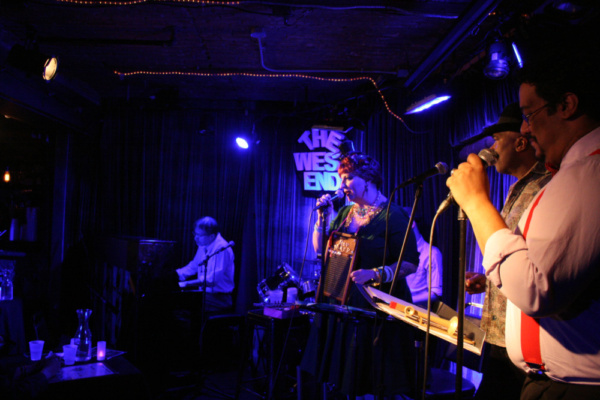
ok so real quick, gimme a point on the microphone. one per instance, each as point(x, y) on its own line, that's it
point(339, 194)
point(488, 158)
point(439, 168)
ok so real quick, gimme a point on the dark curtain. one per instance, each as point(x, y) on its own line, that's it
point(159, 170)
point(406, 150)
point(282, 211)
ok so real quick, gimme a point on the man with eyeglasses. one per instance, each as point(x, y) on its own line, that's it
point(501, 379)
point(213, 259)
point(549, 268)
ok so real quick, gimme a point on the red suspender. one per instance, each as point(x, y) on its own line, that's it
point(530, 328)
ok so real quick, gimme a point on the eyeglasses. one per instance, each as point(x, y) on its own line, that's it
point(527, 117)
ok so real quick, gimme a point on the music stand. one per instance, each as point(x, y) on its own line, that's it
point(445, 321)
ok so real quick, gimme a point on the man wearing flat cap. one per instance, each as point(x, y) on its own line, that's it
point(516, 157)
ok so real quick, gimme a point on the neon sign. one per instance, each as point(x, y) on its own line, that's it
point(318, 167)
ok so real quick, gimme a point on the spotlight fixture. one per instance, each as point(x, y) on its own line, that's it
point(7, 175)
point(241, 142)
point(33, 62)
point(426, 103)
point(497, 66)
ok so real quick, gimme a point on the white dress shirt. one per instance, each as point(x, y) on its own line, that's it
point(554, 275)
point(418, 282)
point(220, 270)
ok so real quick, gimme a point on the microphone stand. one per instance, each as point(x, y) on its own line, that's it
point(208, 257)
point(324, 240)
point(203, 310)
point(418, 193)
point(462, 220)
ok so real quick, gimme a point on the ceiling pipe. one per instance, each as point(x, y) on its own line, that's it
point(424, 10)
point(473, 17)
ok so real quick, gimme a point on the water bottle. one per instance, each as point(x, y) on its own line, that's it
point(83, 336)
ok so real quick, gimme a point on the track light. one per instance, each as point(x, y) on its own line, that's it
point(32, 62)
point(426, 103)
point(497, 66)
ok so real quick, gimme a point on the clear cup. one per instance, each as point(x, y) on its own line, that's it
point(69, 352)
point(36, 347)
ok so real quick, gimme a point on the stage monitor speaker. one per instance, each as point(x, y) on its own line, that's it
point(339, 263)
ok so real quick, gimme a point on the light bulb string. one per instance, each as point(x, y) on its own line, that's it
point(258, 75)
point(133, 2)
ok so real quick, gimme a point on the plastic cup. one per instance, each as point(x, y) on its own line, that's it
point(36, 347)
point(69, 352)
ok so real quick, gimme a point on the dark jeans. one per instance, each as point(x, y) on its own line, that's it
point(502, 380)
point(544, 388)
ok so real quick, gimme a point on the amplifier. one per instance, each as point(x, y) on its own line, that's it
point(339, 263)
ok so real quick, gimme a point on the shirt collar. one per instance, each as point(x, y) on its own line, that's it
point(582, 147)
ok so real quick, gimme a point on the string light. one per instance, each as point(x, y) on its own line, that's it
point(256, 75)
point(133, 2)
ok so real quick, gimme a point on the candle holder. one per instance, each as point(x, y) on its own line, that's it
point(101, 350)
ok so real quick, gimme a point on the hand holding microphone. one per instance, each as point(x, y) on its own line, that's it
point(326, 201)
point(470, 181)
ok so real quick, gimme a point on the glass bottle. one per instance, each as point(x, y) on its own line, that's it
point(83, 336)
point(6, 284)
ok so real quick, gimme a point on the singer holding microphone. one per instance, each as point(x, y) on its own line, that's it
point(549, 267)
point(214, 259)
point(341, 350)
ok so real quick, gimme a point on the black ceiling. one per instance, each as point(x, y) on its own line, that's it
point(314, 51)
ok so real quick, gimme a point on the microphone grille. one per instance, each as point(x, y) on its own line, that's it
point(442, 167)
point(488, 156)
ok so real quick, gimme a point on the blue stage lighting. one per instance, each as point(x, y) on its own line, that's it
point(426, 103)
point(241, 142)
point(497, 66)
point(517, 55)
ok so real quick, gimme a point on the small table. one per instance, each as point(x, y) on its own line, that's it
point(126, 381)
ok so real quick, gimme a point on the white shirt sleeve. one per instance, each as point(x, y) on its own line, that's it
point(191, 269)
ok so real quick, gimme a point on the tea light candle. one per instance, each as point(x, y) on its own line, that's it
point(101, 350)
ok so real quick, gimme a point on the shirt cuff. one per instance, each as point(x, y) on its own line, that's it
point(500, 245)
point(180, 274)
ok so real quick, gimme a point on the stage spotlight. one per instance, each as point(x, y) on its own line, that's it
point(33, 62)
point(426, 103)
point(517, 55)
point(7, 175)
point(497, 66)
point(241, 142)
